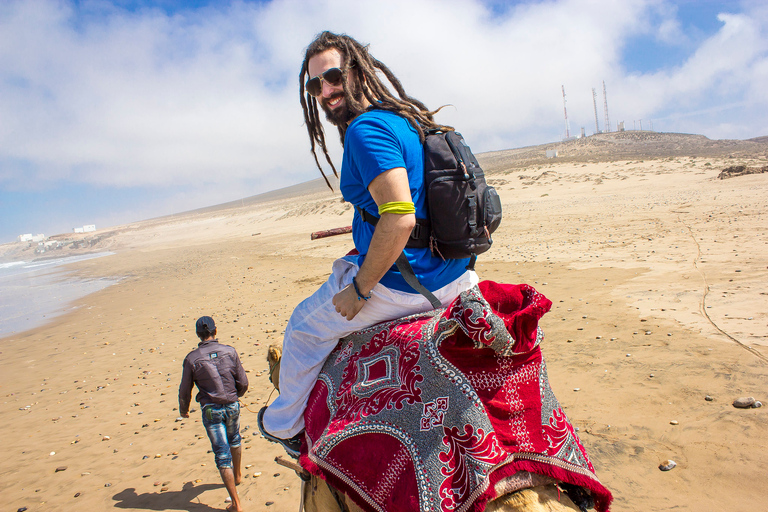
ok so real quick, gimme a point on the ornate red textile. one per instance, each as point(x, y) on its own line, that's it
point(436, 412)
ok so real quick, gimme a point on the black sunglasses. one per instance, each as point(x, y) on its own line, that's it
point(314, 85)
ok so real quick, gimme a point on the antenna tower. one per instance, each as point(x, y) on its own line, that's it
point(565, 111)
point(594, 102)
point(605, 107)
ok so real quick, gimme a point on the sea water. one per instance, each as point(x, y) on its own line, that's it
point(33, 292)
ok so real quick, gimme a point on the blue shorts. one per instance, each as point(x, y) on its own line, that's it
point(222, 422)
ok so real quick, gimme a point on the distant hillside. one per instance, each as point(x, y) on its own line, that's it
point(599, 147)
point(316, 186)
point(624, 146)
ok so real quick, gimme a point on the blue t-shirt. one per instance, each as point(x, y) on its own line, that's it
point(377, 141)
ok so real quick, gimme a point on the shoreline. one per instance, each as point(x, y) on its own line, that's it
point(34, 292)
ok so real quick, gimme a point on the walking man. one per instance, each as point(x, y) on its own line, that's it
point(381, 175)
point(220, 380)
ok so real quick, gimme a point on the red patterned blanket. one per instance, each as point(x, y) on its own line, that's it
point(445, 411)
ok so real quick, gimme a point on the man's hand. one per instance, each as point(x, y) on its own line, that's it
point(184, 415)
point(347, 302)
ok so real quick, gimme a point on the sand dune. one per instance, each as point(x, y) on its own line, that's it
point(657, 269)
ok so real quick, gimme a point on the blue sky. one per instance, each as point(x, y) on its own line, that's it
point(113, 112)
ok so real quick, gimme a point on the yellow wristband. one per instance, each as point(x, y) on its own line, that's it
point(398, 207)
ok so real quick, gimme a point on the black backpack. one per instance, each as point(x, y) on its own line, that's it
point(463, 210)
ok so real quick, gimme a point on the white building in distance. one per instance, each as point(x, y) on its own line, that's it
point(85, 229)
point(29, 237)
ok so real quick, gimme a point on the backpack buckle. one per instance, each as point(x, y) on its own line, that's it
point(416, 232)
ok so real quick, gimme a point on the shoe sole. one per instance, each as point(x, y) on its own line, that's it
point(269, 437)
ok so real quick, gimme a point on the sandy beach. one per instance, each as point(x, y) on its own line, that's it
point(657, 269)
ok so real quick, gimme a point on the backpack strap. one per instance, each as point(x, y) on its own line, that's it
point(402, 263)
point(419, 238)
point(406, 270)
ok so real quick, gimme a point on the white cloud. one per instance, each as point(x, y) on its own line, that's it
point(208, 98)
point(719, 84)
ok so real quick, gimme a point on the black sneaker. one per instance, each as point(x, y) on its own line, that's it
point(292, 446)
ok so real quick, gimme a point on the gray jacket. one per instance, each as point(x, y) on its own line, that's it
point(218, 373)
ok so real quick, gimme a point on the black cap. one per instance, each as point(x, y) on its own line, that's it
point(205, 325)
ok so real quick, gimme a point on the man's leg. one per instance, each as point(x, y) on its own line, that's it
point(228, 476)
point(314, 331)
point(215, 420)
point(232, 424)
point(236, 455)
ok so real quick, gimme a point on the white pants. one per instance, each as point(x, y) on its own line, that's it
point(314, 331)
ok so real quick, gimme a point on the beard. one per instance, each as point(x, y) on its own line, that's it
point(342, 115)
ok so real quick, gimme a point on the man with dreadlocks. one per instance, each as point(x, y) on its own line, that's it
point(382, 173)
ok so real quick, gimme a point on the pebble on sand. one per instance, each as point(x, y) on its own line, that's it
point(708, 398)
point(667, 465)
point(757, 404)
point(60, 468)
point(673, 422)
point(745, 402)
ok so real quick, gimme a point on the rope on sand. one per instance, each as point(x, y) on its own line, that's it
point(703, 302)
point(271, 369)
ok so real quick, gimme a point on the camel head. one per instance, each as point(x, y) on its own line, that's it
point(274, 353)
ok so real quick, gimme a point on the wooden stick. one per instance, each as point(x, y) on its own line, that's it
point(290, 465)
point(331, 232)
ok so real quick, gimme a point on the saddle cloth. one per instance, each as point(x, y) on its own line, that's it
point(440, 411)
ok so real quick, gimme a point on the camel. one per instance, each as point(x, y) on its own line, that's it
point(318, 496)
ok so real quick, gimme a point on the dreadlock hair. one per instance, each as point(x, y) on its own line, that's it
point(355, 58)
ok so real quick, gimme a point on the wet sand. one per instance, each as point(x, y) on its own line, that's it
point(658, 272)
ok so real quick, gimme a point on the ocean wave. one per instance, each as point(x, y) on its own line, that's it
point(11, 264)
